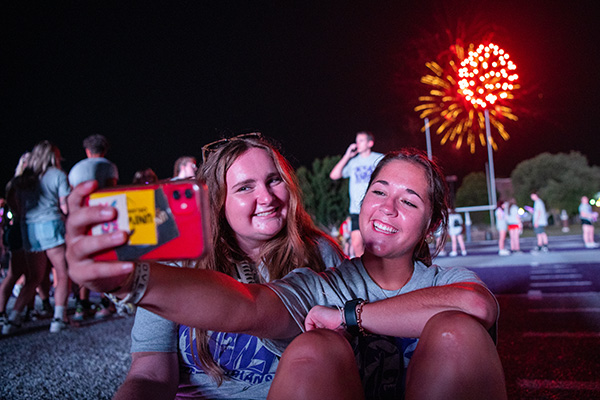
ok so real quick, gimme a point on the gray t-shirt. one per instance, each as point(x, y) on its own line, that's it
point(42, 202)
point(248, 363)
point(359, 170)
point(382, 360)
point(98, 168)
point(539, 213)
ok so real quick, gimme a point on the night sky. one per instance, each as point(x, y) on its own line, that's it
point(162, 79)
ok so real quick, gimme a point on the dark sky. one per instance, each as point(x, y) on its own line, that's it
point(162, 79)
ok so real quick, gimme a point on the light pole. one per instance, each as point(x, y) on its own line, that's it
point(428, 138)
point(488, 134)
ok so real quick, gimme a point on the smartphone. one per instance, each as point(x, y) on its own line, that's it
point(165, 220)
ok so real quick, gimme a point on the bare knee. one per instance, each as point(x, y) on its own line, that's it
point(317, 364)
point(320, 345)
point(454, 328)
point(457, 353)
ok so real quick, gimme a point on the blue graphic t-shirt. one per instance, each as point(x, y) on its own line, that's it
point(244, 358)
point(248, 363)
point(359, 170)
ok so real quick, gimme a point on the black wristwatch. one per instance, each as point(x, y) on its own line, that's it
point(350, 316)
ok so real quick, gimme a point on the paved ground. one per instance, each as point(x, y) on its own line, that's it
point(549, 329)
point(549, 338)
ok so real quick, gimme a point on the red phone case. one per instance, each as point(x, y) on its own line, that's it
point(166, 220)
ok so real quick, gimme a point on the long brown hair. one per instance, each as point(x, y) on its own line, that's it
point(438, 196)
point(296, 245)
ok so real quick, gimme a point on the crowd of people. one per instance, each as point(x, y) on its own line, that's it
point(33, 233)
point(275, 307)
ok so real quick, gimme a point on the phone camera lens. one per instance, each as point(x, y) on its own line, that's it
point(188, 193)
point(176, 195)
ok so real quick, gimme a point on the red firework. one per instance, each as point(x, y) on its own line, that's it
point(482, 79)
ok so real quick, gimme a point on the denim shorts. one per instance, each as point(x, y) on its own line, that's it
point(539, 230)
point(40, 236)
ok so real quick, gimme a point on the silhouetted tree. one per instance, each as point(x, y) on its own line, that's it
point(472, 191)
point(326, 200)
point(559, 179)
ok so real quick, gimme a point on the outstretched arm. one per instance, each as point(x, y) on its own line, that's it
point(152, 375)
point(193, 297)
point(405, 315)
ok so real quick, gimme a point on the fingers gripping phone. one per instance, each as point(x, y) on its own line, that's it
point(165, 220)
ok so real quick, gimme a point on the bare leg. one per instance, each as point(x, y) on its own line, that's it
point(588, 234)
point(34, 273)
point(57, 258)
point(514, 240)
point(43, 289)
point(501, 239)
point(16, 268)
point(319, 364)
point(455, 359)
point(357, 243)
point(453, 238)
point(461, 243)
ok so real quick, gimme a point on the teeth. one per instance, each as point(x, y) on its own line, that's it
point(264, 213)
point(384, 228)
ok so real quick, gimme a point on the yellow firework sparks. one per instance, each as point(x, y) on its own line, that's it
point(482, 79)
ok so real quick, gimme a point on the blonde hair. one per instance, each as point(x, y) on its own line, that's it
point(296, 245)
point(43, 156)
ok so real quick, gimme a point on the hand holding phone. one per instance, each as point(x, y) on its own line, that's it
point(165, 220)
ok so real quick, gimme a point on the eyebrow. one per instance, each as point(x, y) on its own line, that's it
point(252, 180)
point(243, 183)
point(409, 190)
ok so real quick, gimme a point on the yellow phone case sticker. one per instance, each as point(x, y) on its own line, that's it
point(142, 217)
point(141, 212)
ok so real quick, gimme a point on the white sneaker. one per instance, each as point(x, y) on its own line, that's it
point(442, 253)
point(17, 289)
point(592, 245)
point(504, 252)
point(463, 253)
point(57, 325)
point(9, 327)
point(453, 254)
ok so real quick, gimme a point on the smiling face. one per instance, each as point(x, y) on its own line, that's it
point(256, 204)
point(396, 210)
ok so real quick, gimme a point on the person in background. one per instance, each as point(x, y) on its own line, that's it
point(94, 167)
point(515, 226)
point(587, 223)
point(357, 164)
point(260, 232)
point(539, 221)
point(17, 266)
point(502, 227)
point(344, 237)
point(41, 193)
point(418, 330)
point(185, 167)
point(145, 177)
point(455, 228)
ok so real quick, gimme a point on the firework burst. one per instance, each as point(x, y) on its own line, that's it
point(473, 81)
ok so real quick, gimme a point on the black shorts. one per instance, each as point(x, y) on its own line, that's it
point(354, 222)
point(12, 237)
point(586, 221)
